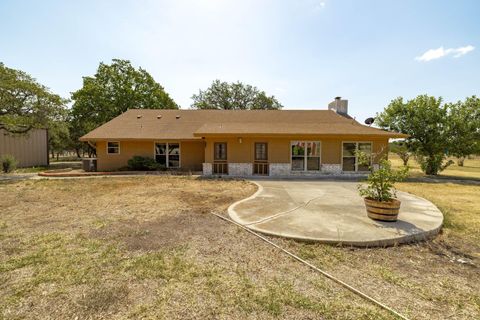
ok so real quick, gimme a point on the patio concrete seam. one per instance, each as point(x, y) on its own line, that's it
point(276, 215)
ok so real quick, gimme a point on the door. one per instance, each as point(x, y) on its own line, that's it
point(260, 163)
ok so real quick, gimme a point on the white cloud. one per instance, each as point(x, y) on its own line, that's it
point(318, 5)
point(438, 53)
point(462, 51)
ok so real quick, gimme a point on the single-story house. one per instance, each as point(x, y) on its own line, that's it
point(29, 147)
point(241, 142)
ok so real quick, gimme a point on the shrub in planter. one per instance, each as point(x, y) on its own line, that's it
point(143, 164)
point(380, 193)
point(9, 163)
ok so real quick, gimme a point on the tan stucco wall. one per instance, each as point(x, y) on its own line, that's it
point(194, 153)
point(279, 148)
point(191, 154)
point(128, 149)
point(30, 149)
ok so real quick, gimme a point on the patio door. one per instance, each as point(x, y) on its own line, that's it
point(220, 163)
point(260, 163)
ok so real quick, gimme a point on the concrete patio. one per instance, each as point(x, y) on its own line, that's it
point(332, 212)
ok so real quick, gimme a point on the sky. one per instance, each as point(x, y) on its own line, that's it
point(304, 52)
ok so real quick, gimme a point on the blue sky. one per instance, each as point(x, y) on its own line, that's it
point(305, 52)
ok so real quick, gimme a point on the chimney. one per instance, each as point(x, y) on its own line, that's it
point(339, 106)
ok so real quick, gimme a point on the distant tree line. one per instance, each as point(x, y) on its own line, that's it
point(113, 89)
point(436, 130)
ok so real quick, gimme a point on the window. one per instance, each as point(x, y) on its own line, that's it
point(298, 155)
point(220, 151)
point(173, 155)
point(313, 156)
point(305, 155)
point(161, 153)
point(113, 147)
point(168, 154)
point(261, 151)
point(349, 155)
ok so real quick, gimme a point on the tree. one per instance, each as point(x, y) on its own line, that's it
point(400, 148)
point(26, 104)
point(234, 96)
point(464, 128)
point(425, 120)
point(59, 137)
point(114, 89)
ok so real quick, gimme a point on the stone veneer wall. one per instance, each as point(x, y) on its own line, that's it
point(279, 169)
point(207, 169)
point(240, 169)
point(331, 168)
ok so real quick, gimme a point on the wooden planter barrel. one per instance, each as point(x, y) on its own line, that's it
point(382, 210)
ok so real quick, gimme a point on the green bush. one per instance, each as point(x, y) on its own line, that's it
point(9, 163)
point(143, 164)
point(380, 182)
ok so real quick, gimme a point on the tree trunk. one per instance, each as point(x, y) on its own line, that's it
point(460, 161)
point(77, 150)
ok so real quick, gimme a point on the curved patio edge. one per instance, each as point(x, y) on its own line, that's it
point(291, 220)
point(391, 242)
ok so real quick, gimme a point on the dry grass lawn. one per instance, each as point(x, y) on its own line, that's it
point(470, 169)
point(146, 247)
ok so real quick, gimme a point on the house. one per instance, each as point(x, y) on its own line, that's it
point(241, 142)
point(29, 147)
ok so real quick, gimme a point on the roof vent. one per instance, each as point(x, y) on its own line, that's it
point(177, 116)
point(159, 116)
point(139, 116)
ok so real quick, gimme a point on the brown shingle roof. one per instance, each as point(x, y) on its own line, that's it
point(193, 124)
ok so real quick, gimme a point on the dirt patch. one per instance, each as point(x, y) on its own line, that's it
point(169, 231)
point(146, 247)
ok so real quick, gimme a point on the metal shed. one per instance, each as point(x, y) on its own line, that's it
point(29, 148)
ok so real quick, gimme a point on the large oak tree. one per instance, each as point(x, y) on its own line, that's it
point(114, 89)
point(425, 120)
point(27, 104)
point(436, 130)
point(234, 96)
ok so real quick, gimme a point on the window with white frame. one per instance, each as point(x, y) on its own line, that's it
point(350, 155)
point(305, 155)
point(168, 154)
point(113, 147)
